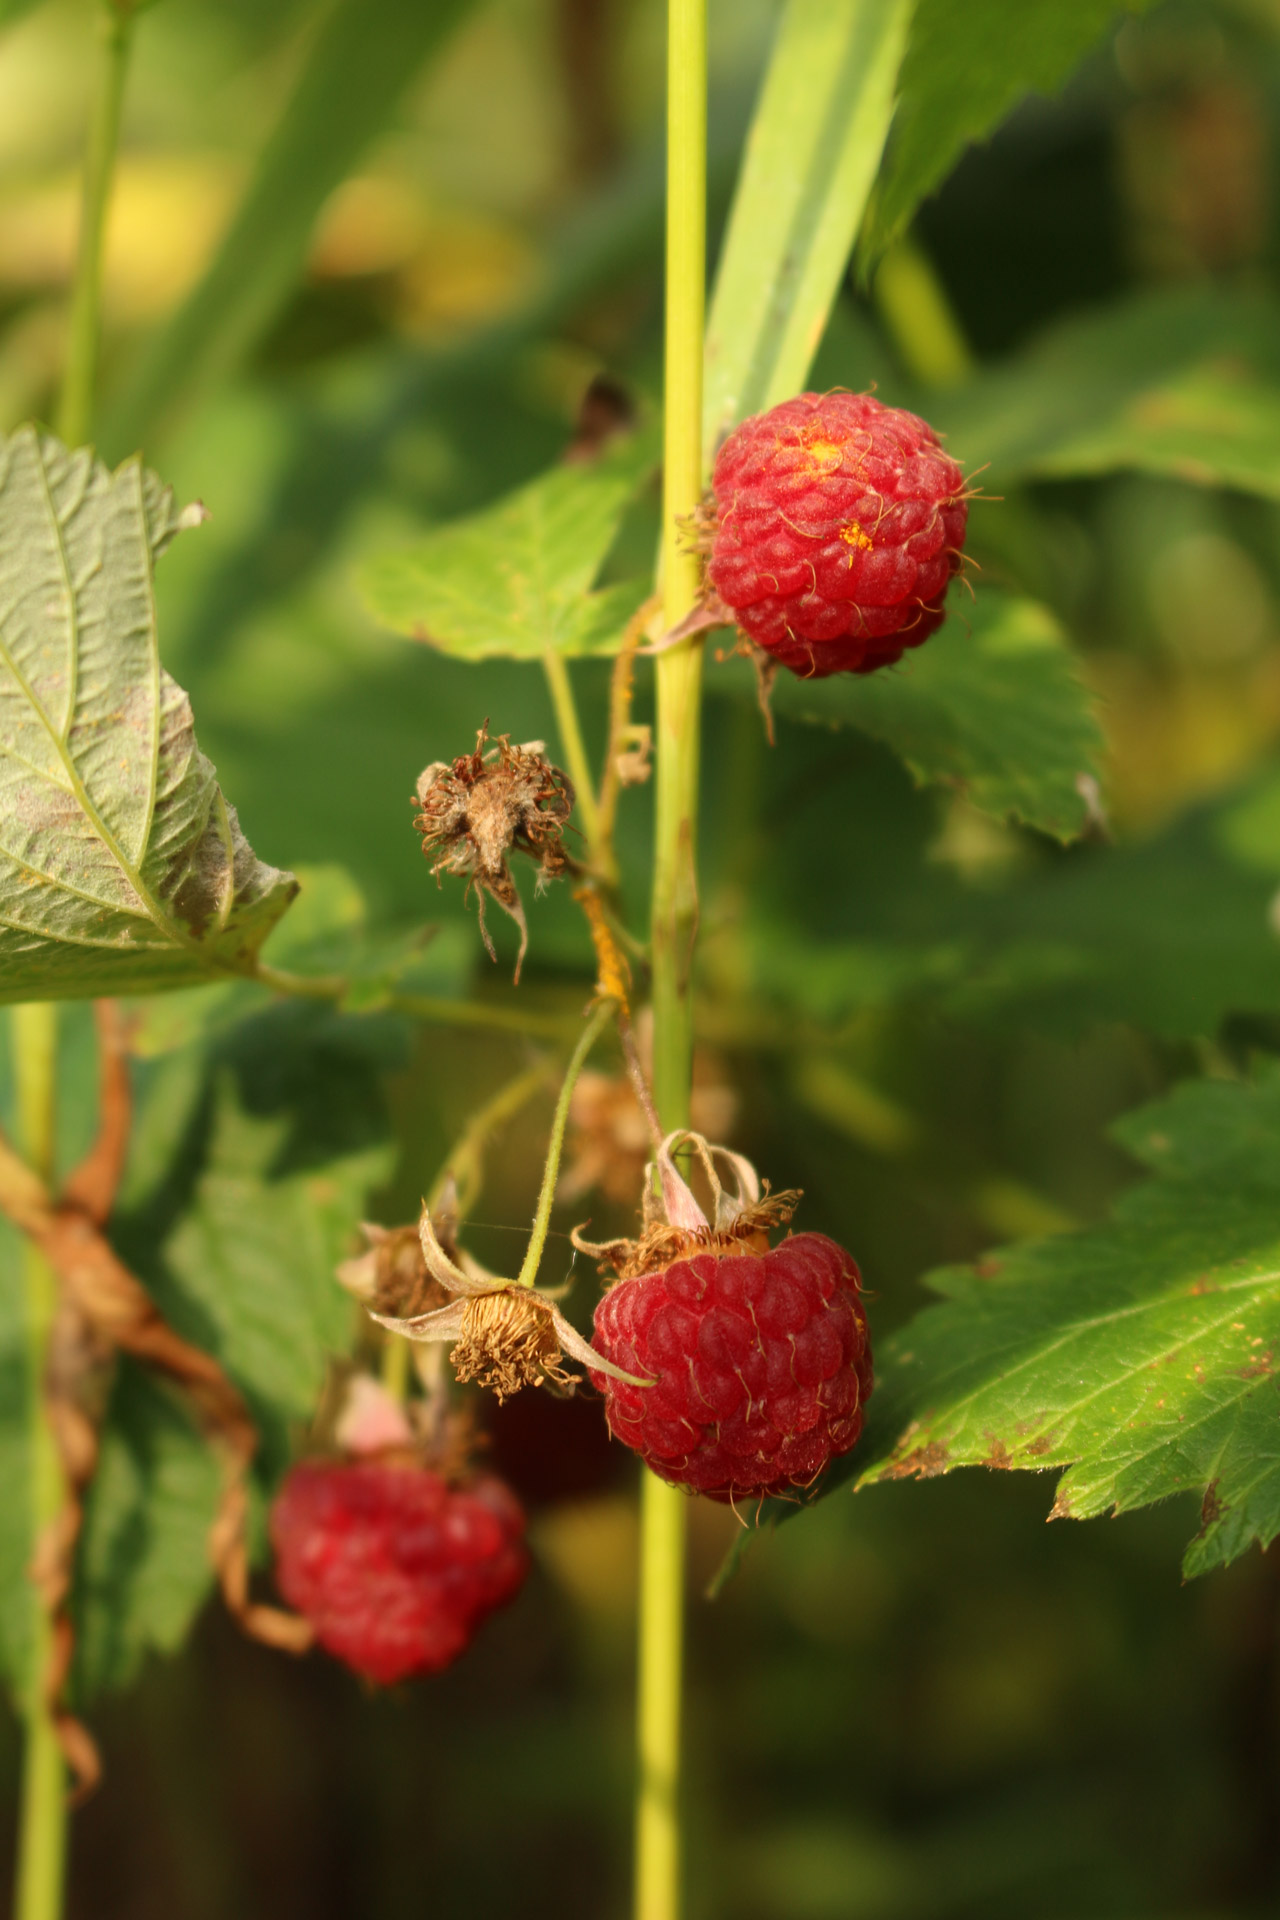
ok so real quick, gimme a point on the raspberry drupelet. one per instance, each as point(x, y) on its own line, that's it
point(760, 1364)
point(838, 524)
point(757, 1359)
point(394, 1568)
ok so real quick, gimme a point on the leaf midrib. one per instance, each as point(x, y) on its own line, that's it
point(174, 931)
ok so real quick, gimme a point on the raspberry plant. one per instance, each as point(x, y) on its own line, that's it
point(183, 1184)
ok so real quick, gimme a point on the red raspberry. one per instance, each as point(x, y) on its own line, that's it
point(839, 523)
point(760, 1362)
point(394, 1568)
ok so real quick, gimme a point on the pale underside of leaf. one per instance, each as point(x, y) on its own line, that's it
point(122, 867)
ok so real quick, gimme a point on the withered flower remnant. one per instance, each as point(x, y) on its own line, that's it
point(391, 1276)
point(477, 810)
point(759, 1356)
point(674, 1226)
point(506, 1335)
point(609, 1138)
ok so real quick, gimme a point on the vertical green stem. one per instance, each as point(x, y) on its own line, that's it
point(661, 1650)
point(43, 1820)
point(679, 670)
point(42, 1839)
point(75, 413)
point(572, 744)
point(675, 914)
point(395, 1367)
point(604, 1013)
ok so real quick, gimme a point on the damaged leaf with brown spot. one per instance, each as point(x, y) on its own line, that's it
point(122, 867)
point(1138, 1355)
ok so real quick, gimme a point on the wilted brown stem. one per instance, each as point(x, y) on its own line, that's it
point(103, 1310)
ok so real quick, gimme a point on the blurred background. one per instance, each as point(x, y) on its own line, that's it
point(919, 1703)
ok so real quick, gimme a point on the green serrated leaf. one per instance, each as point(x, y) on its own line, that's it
point(248, 1271)
point(968, 62)
point(514, 580)
point(812, 152)
point(1214, 427)
point(122, 867)
point(992, 705)
point(325, 935)
point(1183, 383)
point(251, 1214)
point(1141, 1355)
point(143, 1567)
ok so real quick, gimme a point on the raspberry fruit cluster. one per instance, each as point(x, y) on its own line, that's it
point(394, 1567)
point(760, 1363)
point(838, 524)
point(750, 1366)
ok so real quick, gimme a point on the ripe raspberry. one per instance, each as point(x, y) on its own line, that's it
point(760, 1362)
point(394, 1568)
point(838, 525)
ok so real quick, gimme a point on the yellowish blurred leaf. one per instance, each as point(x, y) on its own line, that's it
point(167, 212)
point(472, 269)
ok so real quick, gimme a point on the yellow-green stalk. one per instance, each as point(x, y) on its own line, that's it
point(42, 1836)
point(674, 916)
point(42, 1828)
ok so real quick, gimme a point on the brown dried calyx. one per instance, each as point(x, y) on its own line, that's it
point(609, 1139)
point(477, 810)
point(390, 1276)
point(675, 1226)
point(506, 1335)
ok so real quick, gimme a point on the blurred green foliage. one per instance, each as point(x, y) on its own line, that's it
point(928, 1012)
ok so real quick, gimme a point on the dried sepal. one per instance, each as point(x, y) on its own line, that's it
point(674, 1223)
point(475, 811)
point(391, 1276)
point(505, 1336)
point(633, 757)
point(610, 1137)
